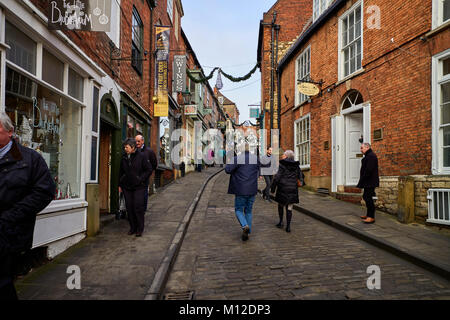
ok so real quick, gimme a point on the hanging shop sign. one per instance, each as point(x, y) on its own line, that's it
point(179, 73)
point(190, 110)
point(82, 15)
point(254, 113)
point(221, 124)
point(162, 71)
point(309, 89)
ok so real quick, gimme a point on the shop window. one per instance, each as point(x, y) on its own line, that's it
point(134, 126)
point(50, 124)
point(52, 70)
point(95, 109)
point(23, 49)
point(164, 139)
point(76, 83)
point(351, 41)
point(94, 158)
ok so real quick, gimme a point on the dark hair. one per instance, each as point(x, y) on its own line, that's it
point(130, 142)
point(268, 147)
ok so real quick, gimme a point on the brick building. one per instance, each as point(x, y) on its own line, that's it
point(74, 96)
point(383, 71)
point(279, 28)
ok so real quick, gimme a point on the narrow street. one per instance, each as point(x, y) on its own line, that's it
point(314, 261)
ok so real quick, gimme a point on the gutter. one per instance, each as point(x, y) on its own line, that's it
point(309, 32)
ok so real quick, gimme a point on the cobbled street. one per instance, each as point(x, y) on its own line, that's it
point(314, 261)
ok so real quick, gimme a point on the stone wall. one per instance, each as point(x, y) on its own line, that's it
point(388, 194)
point(422, 184)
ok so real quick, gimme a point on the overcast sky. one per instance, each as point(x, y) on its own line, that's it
point(224, 33)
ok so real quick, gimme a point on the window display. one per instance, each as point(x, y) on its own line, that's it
point(50, 124)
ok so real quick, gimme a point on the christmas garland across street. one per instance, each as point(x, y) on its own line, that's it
point(229, 77)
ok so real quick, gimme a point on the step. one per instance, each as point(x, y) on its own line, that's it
point(352, 189)
point(349, 197)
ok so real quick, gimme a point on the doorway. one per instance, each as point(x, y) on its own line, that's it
point(353, 155)
point(104, 175)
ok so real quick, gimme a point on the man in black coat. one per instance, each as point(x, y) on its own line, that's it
point(26, 188)
point(150, 155)
point(135, 170)
point(369, 180)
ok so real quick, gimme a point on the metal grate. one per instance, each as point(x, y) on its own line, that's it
point(439, 206)
point(185, 295)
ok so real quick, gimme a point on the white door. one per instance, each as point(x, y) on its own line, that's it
point(353, 155)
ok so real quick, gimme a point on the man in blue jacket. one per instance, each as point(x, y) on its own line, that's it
point(244, 171)
point(26, 188)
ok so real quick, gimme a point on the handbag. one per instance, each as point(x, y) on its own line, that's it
point(122, 213)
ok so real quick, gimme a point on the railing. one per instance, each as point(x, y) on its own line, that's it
point(439, 206)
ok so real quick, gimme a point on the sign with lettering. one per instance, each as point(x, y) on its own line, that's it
point(190, 110)
point(82, 15)
point(308, 89)
point(254, 113)
point(162, 71)
point(179, 73)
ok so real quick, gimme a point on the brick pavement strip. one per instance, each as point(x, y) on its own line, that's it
point(314, 261)
point(114, 265)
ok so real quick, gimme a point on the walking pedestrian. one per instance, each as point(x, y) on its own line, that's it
point(150, 156)
point(244, 171)
point(285, 183)
point(369, 180)
point(267, 173)
point(135, 171)
point(26, 188)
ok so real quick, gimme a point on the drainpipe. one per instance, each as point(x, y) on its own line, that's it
point(272, 66)
point(277, 29)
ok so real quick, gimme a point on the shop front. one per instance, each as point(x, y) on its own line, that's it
point(47, 89)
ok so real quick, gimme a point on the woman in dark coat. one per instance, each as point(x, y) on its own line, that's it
point(285, 184)
point(135, 170)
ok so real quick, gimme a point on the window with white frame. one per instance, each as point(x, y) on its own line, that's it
point(441, 112)
point(302, 130)
point(351, 26)
point(319, 7)
point(441, 12)
point(303, 67)
point(170, 9)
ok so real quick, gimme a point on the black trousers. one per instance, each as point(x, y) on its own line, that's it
point(7, 290)
point(135, 203)
point(268, 180)
point(367, 196)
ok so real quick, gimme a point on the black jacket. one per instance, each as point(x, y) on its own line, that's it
point(369, 171)
point(134, 171)
point(26, 188)
point(285, 182)
point(151, 156)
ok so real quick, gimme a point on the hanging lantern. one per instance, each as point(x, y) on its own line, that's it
point(219, 84)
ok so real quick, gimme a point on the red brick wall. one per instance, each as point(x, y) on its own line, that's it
point(292, 17)
point(397, 83)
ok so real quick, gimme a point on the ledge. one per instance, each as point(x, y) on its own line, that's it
point(437, 30)
point(353, 75)
point(64, 205)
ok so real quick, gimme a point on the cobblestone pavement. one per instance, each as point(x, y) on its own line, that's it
point(314, 261)
point(114, 265)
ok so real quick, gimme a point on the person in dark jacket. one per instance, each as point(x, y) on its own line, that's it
point(286, 187)
point(369, 180)
point(26, 188)
point(151, 156)
point(266, 164)
point(244, 171)
point(135, 170)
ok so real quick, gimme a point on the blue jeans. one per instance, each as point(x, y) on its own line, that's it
point(243, 206)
